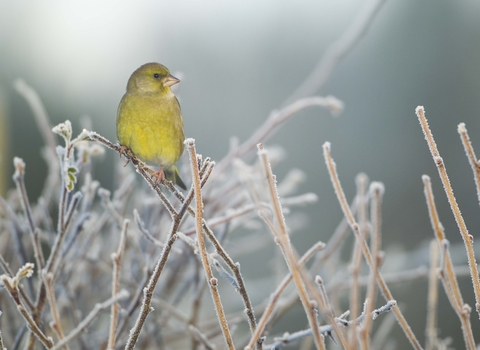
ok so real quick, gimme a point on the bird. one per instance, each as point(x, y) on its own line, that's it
point(149, 121)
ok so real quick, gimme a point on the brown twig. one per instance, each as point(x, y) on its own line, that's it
point(472, 158)
point(366, 252)
point(43, 122)
point(123, 294)
point(432, 301)
point(117, 261)
point(275, 119)
point(7, 271)
point(281, 235)
point(177, 217)
point(56, 324)
point(442, 171)
point(447, 272)
point(211, 280)
point(376, 193)
point(338, 50)
point(19, 178)
point(235, 267)
point(11, 284)
point(275, 296)
point(361, 181)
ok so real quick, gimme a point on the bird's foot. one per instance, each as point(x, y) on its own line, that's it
point(124, 152)
point(159, 176)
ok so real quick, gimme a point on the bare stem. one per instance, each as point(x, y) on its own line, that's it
point(366, 252)
point(43, 122)
point(211, 280)
point(11, 284)
point(376, 193)
point(275, 296)
point(361, 201)
point(145, 308)
point(275, 119)
point(19, 178)
point(280, 232)
point(117, 261)
point(472, 158)
point(141, 168)
point(235, 267)
point(467, 238)
point(80, 329)
point(57, 323)
point(432, 304)
point(338, 50)
point(447, 272)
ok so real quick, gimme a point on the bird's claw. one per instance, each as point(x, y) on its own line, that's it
point(159, 175)
point(123, 151)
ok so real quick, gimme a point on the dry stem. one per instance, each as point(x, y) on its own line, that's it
point(431, 329)
point(275, 296)
point(117, 261)
point(467, 145)
point(123, 294)
point(467, 238)
point(57, 323)
point(447, 272)
point(211, 280)
point(338, 50)
point(366, 252)
point(281, 235)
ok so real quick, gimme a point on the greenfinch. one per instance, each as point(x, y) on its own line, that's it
point(149, 120)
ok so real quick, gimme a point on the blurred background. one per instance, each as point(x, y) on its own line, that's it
point(240, 60)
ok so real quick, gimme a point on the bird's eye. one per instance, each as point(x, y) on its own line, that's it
point(156, 75)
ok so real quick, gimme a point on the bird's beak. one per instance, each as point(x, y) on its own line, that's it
point(171, 80)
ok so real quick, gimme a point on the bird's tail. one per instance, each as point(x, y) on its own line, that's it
point(173, 175)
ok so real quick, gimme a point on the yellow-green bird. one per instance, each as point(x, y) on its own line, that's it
point(149, 120)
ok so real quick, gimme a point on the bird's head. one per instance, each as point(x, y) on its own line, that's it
point(151, 78)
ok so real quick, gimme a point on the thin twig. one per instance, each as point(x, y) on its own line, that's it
point(235, 267)
point(117, 261)
point(177, 217)
point(202, 338)
point(43, 122)
point(134, 302)
point(147, 233)
point(9, 273)
point(241, 288)
point(432, 301)
point(57, 323)
point(366, 252)
point(338, 50)
point(275, 296)
point(376, 194)
point(447, 272)
point(361, 181)
point(150, 288)
point(472, 158)
point(140, 167)
point(467, 238)
point(327, 329)
point(19, 178)
point(123, 294)
point(275, 119)
point(211, 280)
point(11, 284)
point(280, 232)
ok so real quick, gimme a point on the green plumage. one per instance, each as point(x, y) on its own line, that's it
point(149, 120)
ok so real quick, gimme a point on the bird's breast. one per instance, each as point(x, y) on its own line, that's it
point(151, 127)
